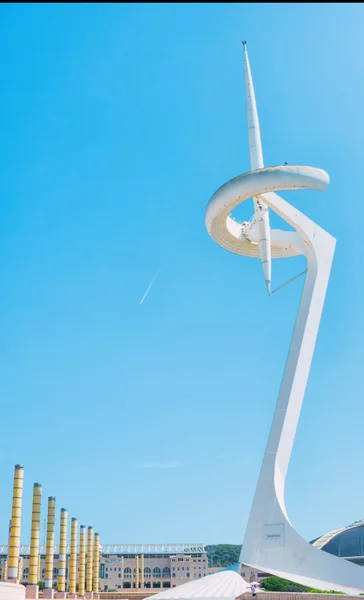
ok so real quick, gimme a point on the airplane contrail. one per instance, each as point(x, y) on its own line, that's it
point(149, 287)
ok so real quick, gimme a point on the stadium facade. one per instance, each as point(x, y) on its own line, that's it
point(159, 565)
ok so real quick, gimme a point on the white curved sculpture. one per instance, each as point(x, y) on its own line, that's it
point(223, 585)
point(271, 543)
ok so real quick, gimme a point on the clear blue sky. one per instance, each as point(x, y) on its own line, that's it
point(118, 122)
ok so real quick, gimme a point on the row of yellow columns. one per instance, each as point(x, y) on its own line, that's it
point(12, 568)
point(139, 571)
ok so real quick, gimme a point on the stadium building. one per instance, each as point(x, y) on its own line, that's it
point(165, 565)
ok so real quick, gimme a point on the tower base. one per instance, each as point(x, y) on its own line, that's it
point(32, 591)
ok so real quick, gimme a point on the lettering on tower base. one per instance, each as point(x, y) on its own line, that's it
point(273, 536)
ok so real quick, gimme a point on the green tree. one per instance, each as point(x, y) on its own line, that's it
point(223, 555)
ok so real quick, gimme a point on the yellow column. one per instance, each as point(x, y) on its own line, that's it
point(51, 518)
point(38, 571)
point(34, 537)
point(89, 560)
point(5, 570)
point(96, 563)
point(137, 571)
point(14, 541)
point(142, 571)
point(62, 551)
point(73, 557)
point(82, 563)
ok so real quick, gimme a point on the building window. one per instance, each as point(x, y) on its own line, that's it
point(166, 572)
point(156, 572)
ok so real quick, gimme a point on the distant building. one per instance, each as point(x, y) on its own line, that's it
point(165, 565)
point(347, 542)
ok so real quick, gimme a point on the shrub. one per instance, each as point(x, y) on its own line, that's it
point(278, 584)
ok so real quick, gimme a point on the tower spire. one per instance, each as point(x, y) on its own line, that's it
point(255, 142)
point(261, 215)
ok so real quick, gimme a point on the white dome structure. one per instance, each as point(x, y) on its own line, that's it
point(224, 585)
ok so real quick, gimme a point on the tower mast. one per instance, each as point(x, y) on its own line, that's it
point(261, 215)
point(255, 142)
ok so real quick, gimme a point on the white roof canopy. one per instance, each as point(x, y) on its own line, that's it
point(224, 585)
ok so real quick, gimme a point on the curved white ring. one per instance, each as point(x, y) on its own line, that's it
point(291, 556)
point(228, 233)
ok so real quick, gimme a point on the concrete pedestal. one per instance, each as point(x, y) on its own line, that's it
point(72, 596)
point(89, 595)
point(47, 593)
point(61, 595)
point(32, 591)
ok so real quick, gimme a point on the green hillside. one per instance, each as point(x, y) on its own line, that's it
point(222, 555)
